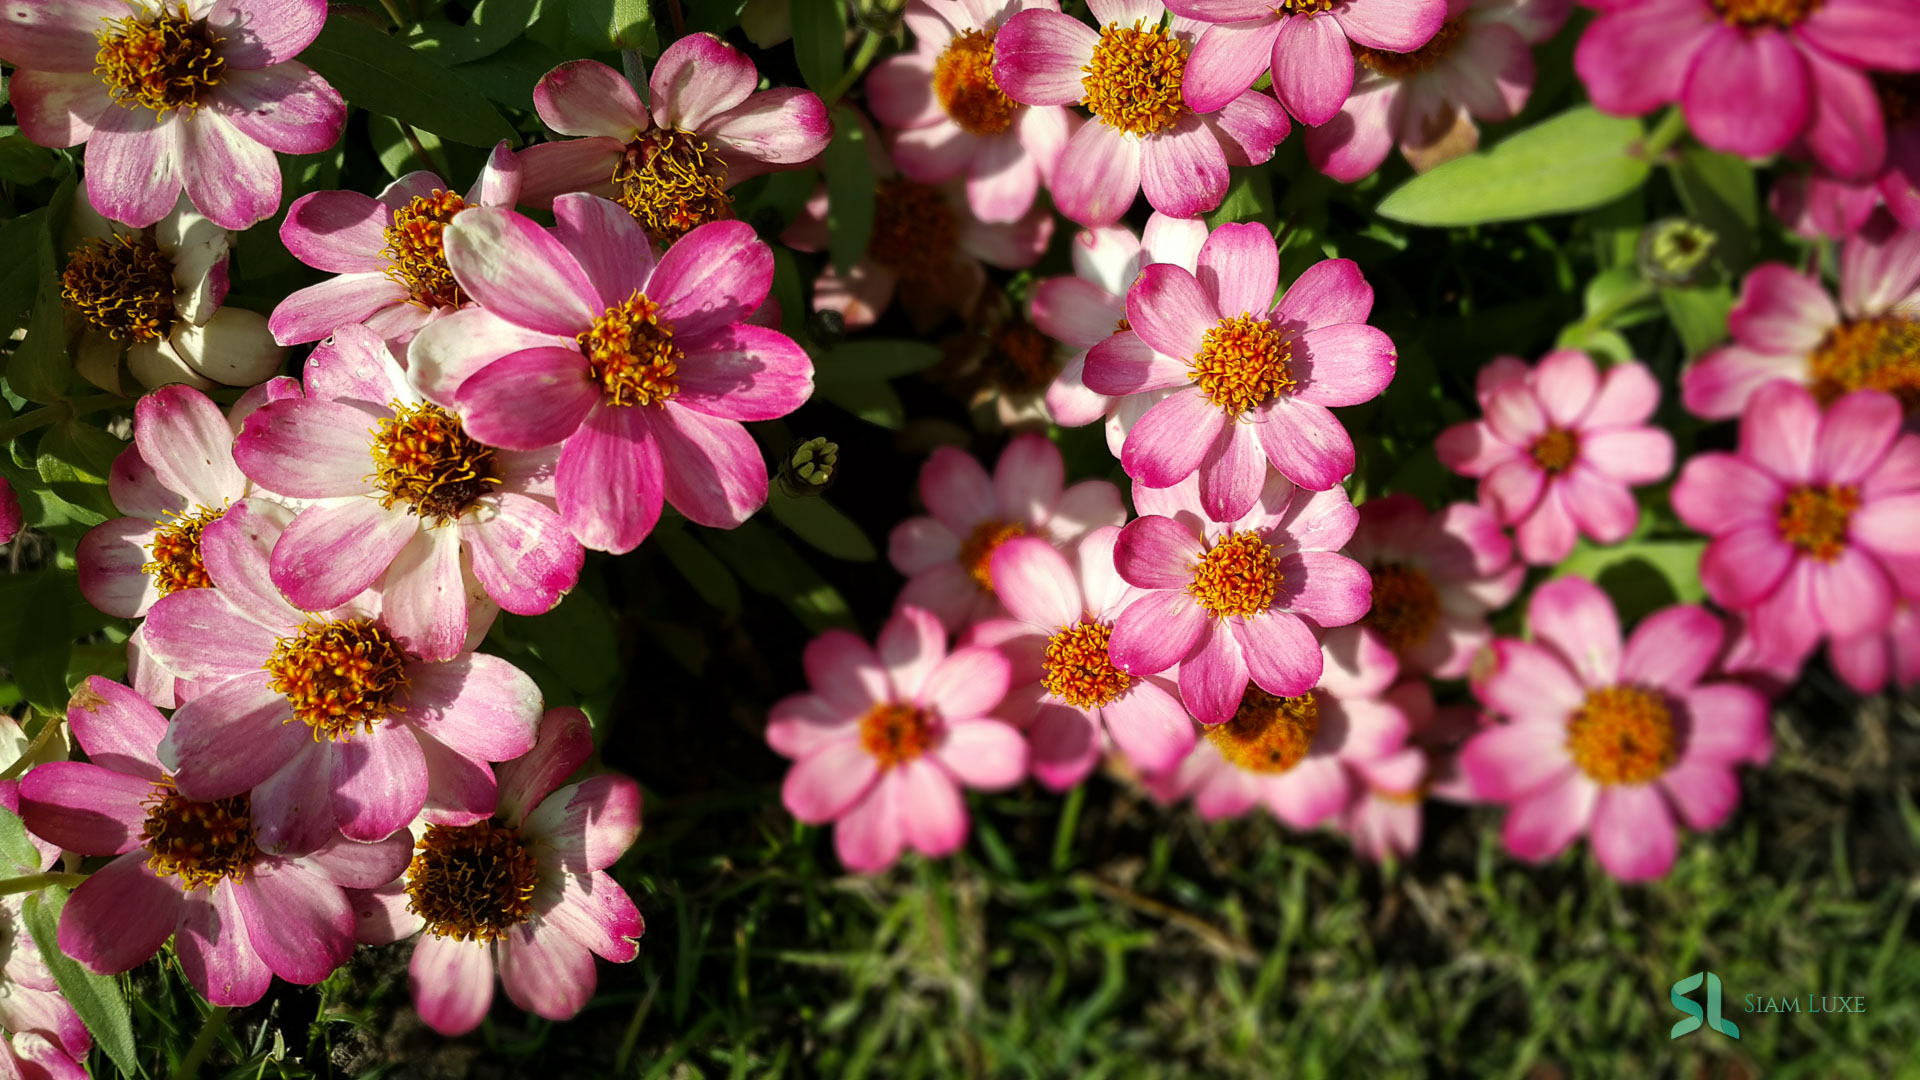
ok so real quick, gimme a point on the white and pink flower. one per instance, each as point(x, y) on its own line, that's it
point(1817, 203)
point(1384, 820)
point(1874, 662)
point(1435, 579)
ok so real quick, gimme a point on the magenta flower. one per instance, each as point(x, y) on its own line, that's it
point(885, 741)
point(525, 891)
point(1301, 755)
point(196, 94)
point(344, 726)
point(1239, 600)
point(1435, 579)
point(390, 269)
point(239, 908)
point(11, 518)
point(640, 370)
point(1612, 741)
point(1385, 817)
point(947, 556)
point(1066, 689)
point(670, 166)
point(1753, 76)
point(953, 119)
point(1252, 378)
point(1786, 326)
point(33, 1056)
point(43, 1024)
point(1815, 522)
point(1479, 66)
point(1817, 203)
point(1559, 448)
point(1872, 662)
point(1130, 74)
point(436, 505)
point(1310, 46)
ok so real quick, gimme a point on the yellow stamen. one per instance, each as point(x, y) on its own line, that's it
point(416, 255)
point(914, 231)
point(895, 733)
point(1237, 576)
point(632, 354)
point(1623, 735)
point(339, 676)
point(963, 83)
point(1243, 362)
point(472, 882)
point(672, 182)
point(176, 562)
point(164, 64)
point(1268, 734)
point(424, 457)
point(1077, 668)
point(123, 285)
point(1406, 607)
point(1815, 519)
point(976, 551)
point(1877, 353)
point(201, 843)
point(1133, 81)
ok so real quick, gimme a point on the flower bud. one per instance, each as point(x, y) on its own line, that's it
point(809, 468)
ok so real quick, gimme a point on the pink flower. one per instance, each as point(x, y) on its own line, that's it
point(885, 741)
point(1252, 378)
point(1755, 75)
point(1786, 326)
point(32, 1009)
point(10, 517)
point(196, 94)
point(1067, 690)
point(526, 890)
point(1302, 755)
point(1815, 522)
point(390, 270)
point(1871, 662)
point(670, 166)
point(1817, 203)
point(1383, 820)
point(1130, 73)
point(640, 370)
point(1435, 579)
point(436, 506)
point(1559, 448)
point(341, 723)
point(32, 1056)
point(947, 557)
point(239, 908)
point(1479, 66)
point(1310, 46)
point(1611, 741)
point(954, 119)
point(1238, 600)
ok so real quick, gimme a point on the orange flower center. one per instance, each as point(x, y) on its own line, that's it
point(976, 551)
point(201, 843)
point(1405, 606)
point(339, 676)
point(123, 285)
point(1780, 13)
point(1077, 668)
point(895, 733)
point(963, 82)
point(423, 456)
point(1020, 357)
point(416, 256)
point(1133, 81)
point(1881, 353)
point(1267, 734)
point(1402, 65)
point(164, 64)
point(1238, 575)
point(914, 230)
point(1814, 519)
point(1555, 450)
point(472, 882)
point(176, 562)
point(672, 182)
point(1243, 362)
point(1623, 735)
point(632, 354)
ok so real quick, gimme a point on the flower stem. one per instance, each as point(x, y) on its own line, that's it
point(35, 882)
point(393, 11)
point(33, 419)
point(869, 45)
point(210, 1030)
point(32, 753)
point(1665, 133)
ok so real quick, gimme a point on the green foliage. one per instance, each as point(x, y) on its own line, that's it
point(1576, 161)
point(850, 190)
point(97, 998)
point(382, 74)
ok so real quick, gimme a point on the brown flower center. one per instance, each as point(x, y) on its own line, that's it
point(1243, 362)
point(1814, 519)
point(339, 676)
point(672, 182)
point(1020, 357)
point(1077, 668)
point(1402, 65)
point(976, 551)
point(1555, 450)
point(1238, 575)
point(1133, 81)
point(123, 285)
point(632, 354)
point(1780, 13)
point(963, 82)
point(201, 843)
point(176, 562)
point(416, 256)
point(1267, 734)
point(914, 231)
point(1623, 735)
point(423, 456)
point(1879, 353)
point(895, 733)
point(472, 882)
point(1405, 606)
point(164, 64)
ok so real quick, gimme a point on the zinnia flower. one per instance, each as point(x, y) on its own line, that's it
point(1435, 578)
point(1873, 661)
point(670, 166)
point(11, 518)
point(33, 1056)
point(1384, 818)
point(1252, 378)
point(390, 269)
point(1066, 689)
point(1815, 522)
point(525, 891)
point(1786, 326)
point(1130, 74)
point(1817, 203)
point(1231, 601)
point(32, 1009)
point(1302, 755)
point(1479, 66)
point(196, 94)
point(956, 119)
point(1755, 75)
point(436, 505)
point(239, 908)
point(641, 371)
point(1609, 741)
point(885, 741)
point(329, 718)
point(947, 556)
point(1559, 448)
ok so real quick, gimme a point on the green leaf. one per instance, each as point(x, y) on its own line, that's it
point(1578, 160)
point(614, 24)
point(381, 74)
point(820, 42)
point(396, 153)
point(494, 25)
point(769, 565)
point(22, 161)
point(821, 525)
point(874, 361)
point(509, 76)
point(1248, 198)
point(1719, 192)
point(702, 569)
point(39, 370)
point(874, 402)
point(38, 652)
point(850, 190)
point(14, 845)
point(20, 271)
point(1699, 315)
point(96, 998)
point(1642, 576)
point(577, 639)
point(74, 459)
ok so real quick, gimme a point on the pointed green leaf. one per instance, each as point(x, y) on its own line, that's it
point(96, 998)
point(381, 74)
point(1578, 160)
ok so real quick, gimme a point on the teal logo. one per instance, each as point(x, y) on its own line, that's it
point(1687, 1005)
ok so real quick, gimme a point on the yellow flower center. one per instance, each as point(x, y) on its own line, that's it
point(415, 252)
point(176, 562)
point(1243, 362)
point(632, 354)
point(1302, 7)
point(1133, 81)
point(339, 676)
point(472, 882)
point(123, 285)
point(914, 231)
point(1555, 450)
point(1814, 519)
point(1020, 357)
point(165, 64)
point(672, 182)
point(963, 82)
point(1405, 606)
point(895, 733)
point(1077, 668)
point(1881, 353)
point(1267, 734)
point(976, 552)
point(1623, 735)
point(1402, 65)
point(201, 843)
point(423, 456)
point(1781, 13)
point(1238, 575)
